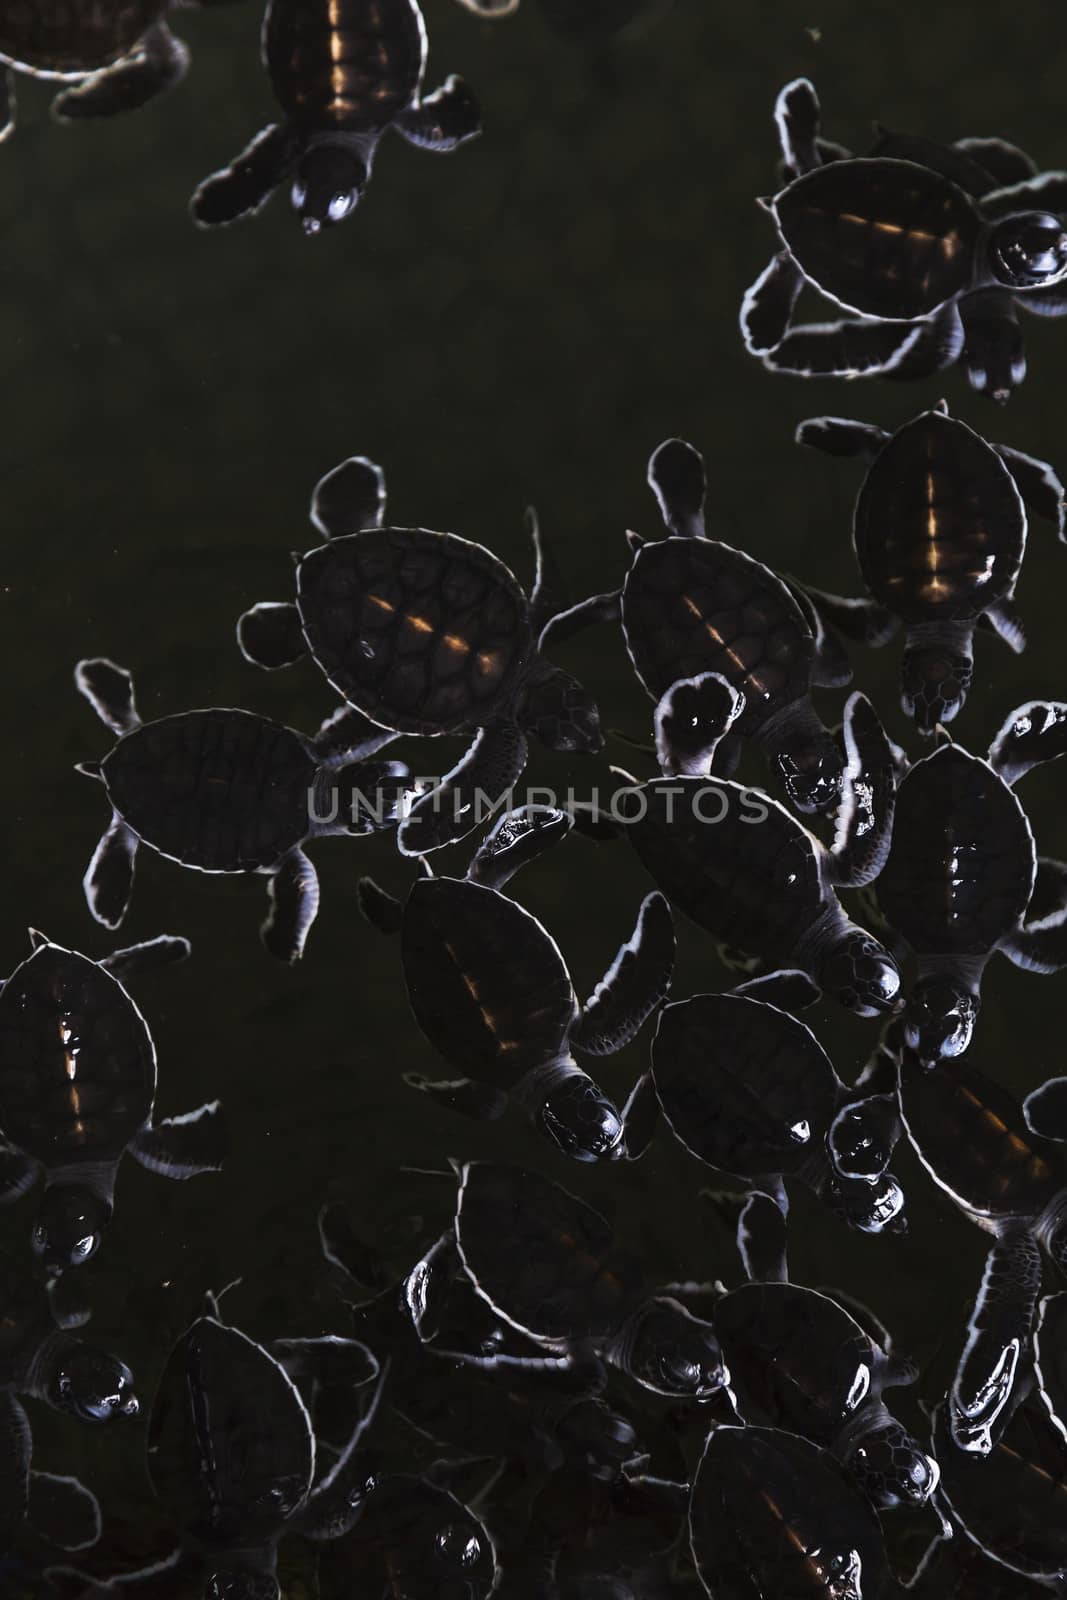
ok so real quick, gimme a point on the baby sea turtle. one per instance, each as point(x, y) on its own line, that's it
point(116, 54)
point(77, 1088)
point(939, 532)
point(425, 633)
point(491, 991)
point(932, 247)
point(772, 1514)
point(342, 71)
point(976, 1142)
point(1012, 1503)
point(748, 1089)
point(691, 605)
point(962, 873)
point(741, 867)
point(227, 791)
point(40, 1360)
point(547, 1264)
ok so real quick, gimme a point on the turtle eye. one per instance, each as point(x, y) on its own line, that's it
point(340, 205)
point(83, 1249)
point(457, 1546)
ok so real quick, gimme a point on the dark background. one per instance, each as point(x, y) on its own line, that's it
point(520, 322)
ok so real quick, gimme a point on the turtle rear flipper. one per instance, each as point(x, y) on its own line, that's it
point(378, 907)
point(864, 827)
point(63, 1511)
point(293, 892)
point(134, 959)
point(519, 838)
point(1045, 1109)
point(480, 778)
point(640, 1119)
point(762, 1237)
point(18, 1172)
point(16, 1448)
point(677, 478)
point(845, 349)
point(158, 62)
point(1031, 734)
point(998, 1337)
point(691, 720)
point(1004, 620)
point(839, 436)
point(767, 307)
point(270, 635)
point(7, 103)
point(637, 981)
point(993, 357)
point(442, 120)
point(1039, 484)
point(248, 182)
point(108, 880)
point(109, 690)
point(479, 1101)
point(349, 497)
point(184, 1146)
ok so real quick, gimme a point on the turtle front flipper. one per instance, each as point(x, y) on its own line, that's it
point(677, 479)
point(486, 772)
point(1039, 484)
point(858, 618)
point(183, 1146)
point(797, 118)
point(328, 1359)
point(787, 988)
point(520, 837)
point(63, 1511)
point(1004, 620)
point(293, 891)
point(636, 983)
point(18, 1172)
point(347, 735)
point(108, 880)
point(7, 103)
point(1040, 943)
point(442, 120)
point(839, 436)
point(565, 624)
point(998, 1337)
point(830, 665)
point(109, 690)
point(148, 956)
point(993, 358)
point(348, 498)
point(381, 909)
point(270, 635)
point(157, 63)
point(1043, 191)
point(1031, 734)
point(1050, 1357)
point(767, 306)
point(640, 1119)
point(1045, 1109)
point(845, 349)
point(1005, 163)
point(478, 1101)
point(16, 1447)
point(246, 185)
point(691, 720)
point(864, 829)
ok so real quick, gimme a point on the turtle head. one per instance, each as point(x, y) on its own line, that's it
point(237, 1583)
point(934, 680)
point(810, 768)
point(861, 974)
point(69, 1227)
point(876, 1207)
point(328, 183)
point(559, 712)
point(891, 1468)
point(939, 1019)
point(91, 1384)
point(1028, 250)
point(671, 1352)
point(581, 1120)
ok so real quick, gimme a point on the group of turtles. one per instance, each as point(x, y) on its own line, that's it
point(596, 1433)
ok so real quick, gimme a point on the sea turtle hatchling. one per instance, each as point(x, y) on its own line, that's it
point(547, 1264)
point(691, 605)
point(939, 532)
point(116, 54)
point(491, 992)
point(963, 878)
point(425, 633)
point(1005, 1167)
point(225, 790)
point(342, 71)
point(744, 869)
point(39, 1359)
point(77, 1087)
point(933, 248)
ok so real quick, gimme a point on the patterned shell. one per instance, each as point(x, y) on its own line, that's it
point(69, 38)
point(346, 64)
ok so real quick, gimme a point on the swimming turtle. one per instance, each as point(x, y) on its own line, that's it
point(976, 1142)
point(342, 71)
point(77, 1087)
point(40, 1360)
point(116, 54)
point(425, 633)
point(939, 532)
point(691, 605)
point(747, 1088)
point(773, 1514)
point(963, 872)
point(1012, 1503)
point(933, 247)
point(743, 868)
point(547, 1264)
point(490, 990)
point(227, 791)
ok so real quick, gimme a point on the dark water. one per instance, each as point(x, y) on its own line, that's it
point(520, 322)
